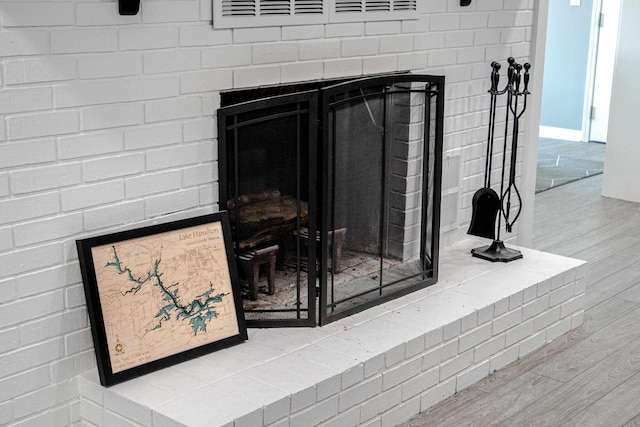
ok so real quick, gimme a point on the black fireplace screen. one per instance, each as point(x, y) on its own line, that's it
point(333, 194)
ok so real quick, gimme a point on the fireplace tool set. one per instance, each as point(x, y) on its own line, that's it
point(487, 204)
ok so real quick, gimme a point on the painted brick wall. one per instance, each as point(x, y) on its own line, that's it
point(107, 122)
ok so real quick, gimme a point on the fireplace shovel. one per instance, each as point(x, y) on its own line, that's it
point(486, 203)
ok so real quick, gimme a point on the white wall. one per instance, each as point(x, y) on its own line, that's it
point(566, 65)
point(530, 155)
point(108, 122)
point(622, 157)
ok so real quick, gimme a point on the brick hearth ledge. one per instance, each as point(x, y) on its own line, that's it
point(377, 368)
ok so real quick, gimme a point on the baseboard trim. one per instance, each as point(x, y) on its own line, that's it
point(560, 133)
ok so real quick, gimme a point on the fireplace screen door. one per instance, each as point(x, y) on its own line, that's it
point(381, 191)
point(333, 195)
point(267, 150)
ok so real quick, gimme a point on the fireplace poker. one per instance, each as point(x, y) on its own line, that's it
point(514, 144)
point(510, 76)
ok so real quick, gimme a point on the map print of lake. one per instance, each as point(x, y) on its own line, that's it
point(163, 294)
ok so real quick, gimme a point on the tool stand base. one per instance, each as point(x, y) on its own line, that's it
point(496, 252)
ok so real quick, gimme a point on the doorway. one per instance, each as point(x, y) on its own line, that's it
point(581, 42)
point(576, 91)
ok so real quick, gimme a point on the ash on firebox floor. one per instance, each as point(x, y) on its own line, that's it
point(358, 281)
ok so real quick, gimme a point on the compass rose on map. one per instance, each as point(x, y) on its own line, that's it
point(119, 347)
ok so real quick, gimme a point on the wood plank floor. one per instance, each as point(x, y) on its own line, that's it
point(589, 376)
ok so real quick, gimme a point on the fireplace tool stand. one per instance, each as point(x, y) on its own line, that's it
point(484, 203)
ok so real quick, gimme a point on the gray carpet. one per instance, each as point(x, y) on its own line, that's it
point(559, 170)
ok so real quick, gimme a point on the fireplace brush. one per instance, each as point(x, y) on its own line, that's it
point(487, 207)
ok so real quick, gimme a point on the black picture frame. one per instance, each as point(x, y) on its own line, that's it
point(161, 294)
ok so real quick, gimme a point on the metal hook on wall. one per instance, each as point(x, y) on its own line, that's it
point(128, 7)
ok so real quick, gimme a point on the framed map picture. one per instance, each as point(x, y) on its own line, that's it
point(161, 294)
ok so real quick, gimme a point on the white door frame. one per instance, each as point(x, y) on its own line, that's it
point(602, 82)
point(591, 69)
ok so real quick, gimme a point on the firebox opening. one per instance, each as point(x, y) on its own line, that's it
point(334, 192)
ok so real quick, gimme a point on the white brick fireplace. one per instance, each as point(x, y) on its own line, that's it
point(107, 122)
point(376, 368)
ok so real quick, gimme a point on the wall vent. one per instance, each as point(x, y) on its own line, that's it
point(308, 7)
point(262, 13)
point(411, 5)
point(239, 8)
point(378, 6)
point(348, 6)
point(244, 8)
